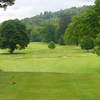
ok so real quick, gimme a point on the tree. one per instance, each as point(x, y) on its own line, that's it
point(97, 44)
point(72, 34)
point(12, 34)
point(87, 43)
point(51, 45)
point(84, 24)
point(35, 36)
point(5, 3)
point(97, 6)
point(49, 32)
point(64, 20)
point(61, 40)
point(29, 29)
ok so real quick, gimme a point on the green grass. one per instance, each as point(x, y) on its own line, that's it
point(66, 73)
point(49, 86)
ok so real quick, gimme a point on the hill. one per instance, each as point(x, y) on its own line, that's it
point(53, 17)
point(36, 23)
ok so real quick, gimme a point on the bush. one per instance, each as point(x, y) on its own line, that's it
point(87, 43)
point(51, 45)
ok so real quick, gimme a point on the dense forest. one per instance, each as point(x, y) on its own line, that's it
point(43, 27)
point(53, 17)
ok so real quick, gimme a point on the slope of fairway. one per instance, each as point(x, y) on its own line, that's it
point(63, 65)
point(38, 58)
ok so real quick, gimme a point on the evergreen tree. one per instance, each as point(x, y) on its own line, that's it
point(5, 3)
point(51, 45)
point(61, 40)
point(65, 19)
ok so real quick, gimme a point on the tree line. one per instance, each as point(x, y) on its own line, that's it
point(51, 26)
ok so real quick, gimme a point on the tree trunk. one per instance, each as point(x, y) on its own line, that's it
point(76, 42)
point(11, 51)
point(88, 50)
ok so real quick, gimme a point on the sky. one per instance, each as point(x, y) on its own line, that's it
point(29, 8)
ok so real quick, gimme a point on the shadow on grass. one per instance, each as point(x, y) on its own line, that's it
point(1, 70)
point(12, 53)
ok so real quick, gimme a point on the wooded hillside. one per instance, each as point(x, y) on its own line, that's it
point(53, 17)
point(36, 23)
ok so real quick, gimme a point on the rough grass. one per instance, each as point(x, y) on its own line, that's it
point(66, 73)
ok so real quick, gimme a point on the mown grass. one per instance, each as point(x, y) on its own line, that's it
point(66, 73)
point(49, 86)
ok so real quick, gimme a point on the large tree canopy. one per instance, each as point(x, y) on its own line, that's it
point(5, 3)
point(85, 24)
point(71, 35)
point(13, 35)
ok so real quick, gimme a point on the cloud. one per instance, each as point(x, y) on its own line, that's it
point(29, 8)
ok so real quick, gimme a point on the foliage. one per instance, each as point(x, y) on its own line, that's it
point(90, 23)
point(87, 43)
point(51, 45)
point(97, 40)
point(84, 24)
point(13, 32)
point(64, 20)
point(71, 35)
point(97, 44)
point(5, 3)
point(50, 17)
point(35, 36)
point(61, 40)
point(49, 32)
point(97, 51)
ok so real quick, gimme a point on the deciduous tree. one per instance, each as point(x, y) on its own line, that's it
point(35, 36)
point(85, 24)
point(5, 3)
point(49, 32)
point(65, 19)
point(87, 43)
point(12, 34)
point(97, 44)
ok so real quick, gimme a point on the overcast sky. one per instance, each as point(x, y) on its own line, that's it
point(30, 8)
